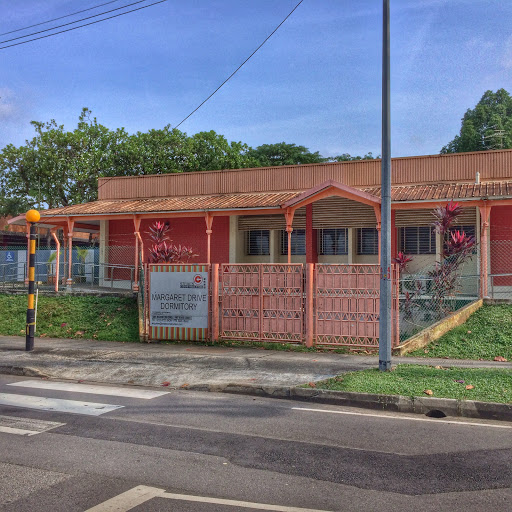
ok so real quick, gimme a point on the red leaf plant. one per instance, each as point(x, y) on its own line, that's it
point(162, 250)
point(402, 260)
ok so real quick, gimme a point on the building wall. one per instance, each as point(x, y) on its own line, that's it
point(457, 167)
point(185, 231)
point(501, 244)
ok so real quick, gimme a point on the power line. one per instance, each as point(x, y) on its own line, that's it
point(210, 96)
point(239, 67)
point(59, 18)
point(71, 22)
point(84, 25)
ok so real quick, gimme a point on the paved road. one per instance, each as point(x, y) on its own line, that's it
point(77, 447)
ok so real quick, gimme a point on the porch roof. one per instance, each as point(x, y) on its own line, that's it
point(274, 202)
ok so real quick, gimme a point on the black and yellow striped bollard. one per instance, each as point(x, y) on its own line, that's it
point(32, 217)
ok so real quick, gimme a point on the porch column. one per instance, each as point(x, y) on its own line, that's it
point(28, 252)
point(289, 213)
point(71, 224)
point(311, 242)
point(376, 209)
point(57, 259)
point(485, 213)
point(136, 225)
point(208, 217)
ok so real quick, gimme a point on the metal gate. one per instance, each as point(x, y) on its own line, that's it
point(262, 302)
point(347, 305)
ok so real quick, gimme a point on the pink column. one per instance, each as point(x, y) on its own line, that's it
point(289, 213)
point(215, 302)
point(485, 212)
point(71, 224)
point(376, 209)
point(209, 221)
point(309, 304)
point(136, 224)
point(28, 253)
point(57, 259)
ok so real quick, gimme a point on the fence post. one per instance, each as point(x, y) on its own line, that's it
point(215, 302)
point(309, 304)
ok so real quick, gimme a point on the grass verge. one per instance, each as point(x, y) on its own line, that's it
point(486, 385)
point(486, 334)
point(101, 318)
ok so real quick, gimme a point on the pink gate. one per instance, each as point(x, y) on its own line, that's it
point(261, 302)
point(347, 305)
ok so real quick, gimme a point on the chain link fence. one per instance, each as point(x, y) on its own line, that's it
point(86, 270)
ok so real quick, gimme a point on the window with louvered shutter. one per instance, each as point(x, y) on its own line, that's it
point(298, 242)
point(417, 240)
point(258, 242)
point(367, 241)
point(333, 241)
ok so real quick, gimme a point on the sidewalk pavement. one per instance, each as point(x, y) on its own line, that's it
point(196, 367)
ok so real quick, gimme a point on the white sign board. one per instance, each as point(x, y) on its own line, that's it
point(178, 299)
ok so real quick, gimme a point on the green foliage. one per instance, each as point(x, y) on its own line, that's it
point(101, 318)
point(488, 385)
point(60, 168)
point(487, 126)
point(485, 335)
point(345, 157)
point(282, 153)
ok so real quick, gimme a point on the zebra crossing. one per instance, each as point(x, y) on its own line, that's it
point(29, 427)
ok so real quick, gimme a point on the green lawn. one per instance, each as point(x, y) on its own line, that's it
point(486, 334)
point(101, 318)
point(489, 385)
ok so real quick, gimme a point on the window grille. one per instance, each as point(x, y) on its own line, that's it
point(333, 241)
point(367, 241)
point(417, 240)
point(298, 242)
point(258, 242)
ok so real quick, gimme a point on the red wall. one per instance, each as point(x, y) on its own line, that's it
point(185, 231)
point(501, 229)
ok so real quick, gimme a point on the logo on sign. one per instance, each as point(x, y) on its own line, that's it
point(9, 257)
point(198, 279)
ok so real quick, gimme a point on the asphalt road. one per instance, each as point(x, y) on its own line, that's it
point(97, 448)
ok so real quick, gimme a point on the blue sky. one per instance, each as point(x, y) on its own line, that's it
point(317, 81)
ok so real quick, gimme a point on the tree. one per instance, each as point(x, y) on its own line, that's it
point(282, 153)
point(60, 168)
point(487, 126)
point(57, 167)
point(345, 157)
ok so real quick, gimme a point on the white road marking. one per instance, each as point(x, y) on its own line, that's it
point(128, 500)
point(56, 404)
point(25, 426)
point(87, 388)
point(138, 495)
point(403, 418)
point(236, 503)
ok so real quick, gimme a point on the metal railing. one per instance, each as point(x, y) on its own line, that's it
point(83, 275)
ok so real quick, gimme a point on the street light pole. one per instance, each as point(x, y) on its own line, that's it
point(32, 217)
point(385, 318)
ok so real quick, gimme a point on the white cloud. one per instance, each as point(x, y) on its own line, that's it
point(8, 104)
point(506, 60)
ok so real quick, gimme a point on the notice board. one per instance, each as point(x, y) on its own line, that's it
point(178, 302)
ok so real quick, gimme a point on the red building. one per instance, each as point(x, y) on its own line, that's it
point(324, 213)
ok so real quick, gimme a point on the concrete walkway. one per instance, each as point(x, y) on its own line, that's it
point(188, 365)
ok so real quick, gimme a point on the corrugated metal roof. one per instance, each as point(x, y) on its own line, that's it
point(406, 193)
point(446, 191)
point(175, 204)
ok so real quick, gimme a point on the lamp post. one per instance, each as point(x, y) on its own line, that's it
point(32, 217)
point(385, 250)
